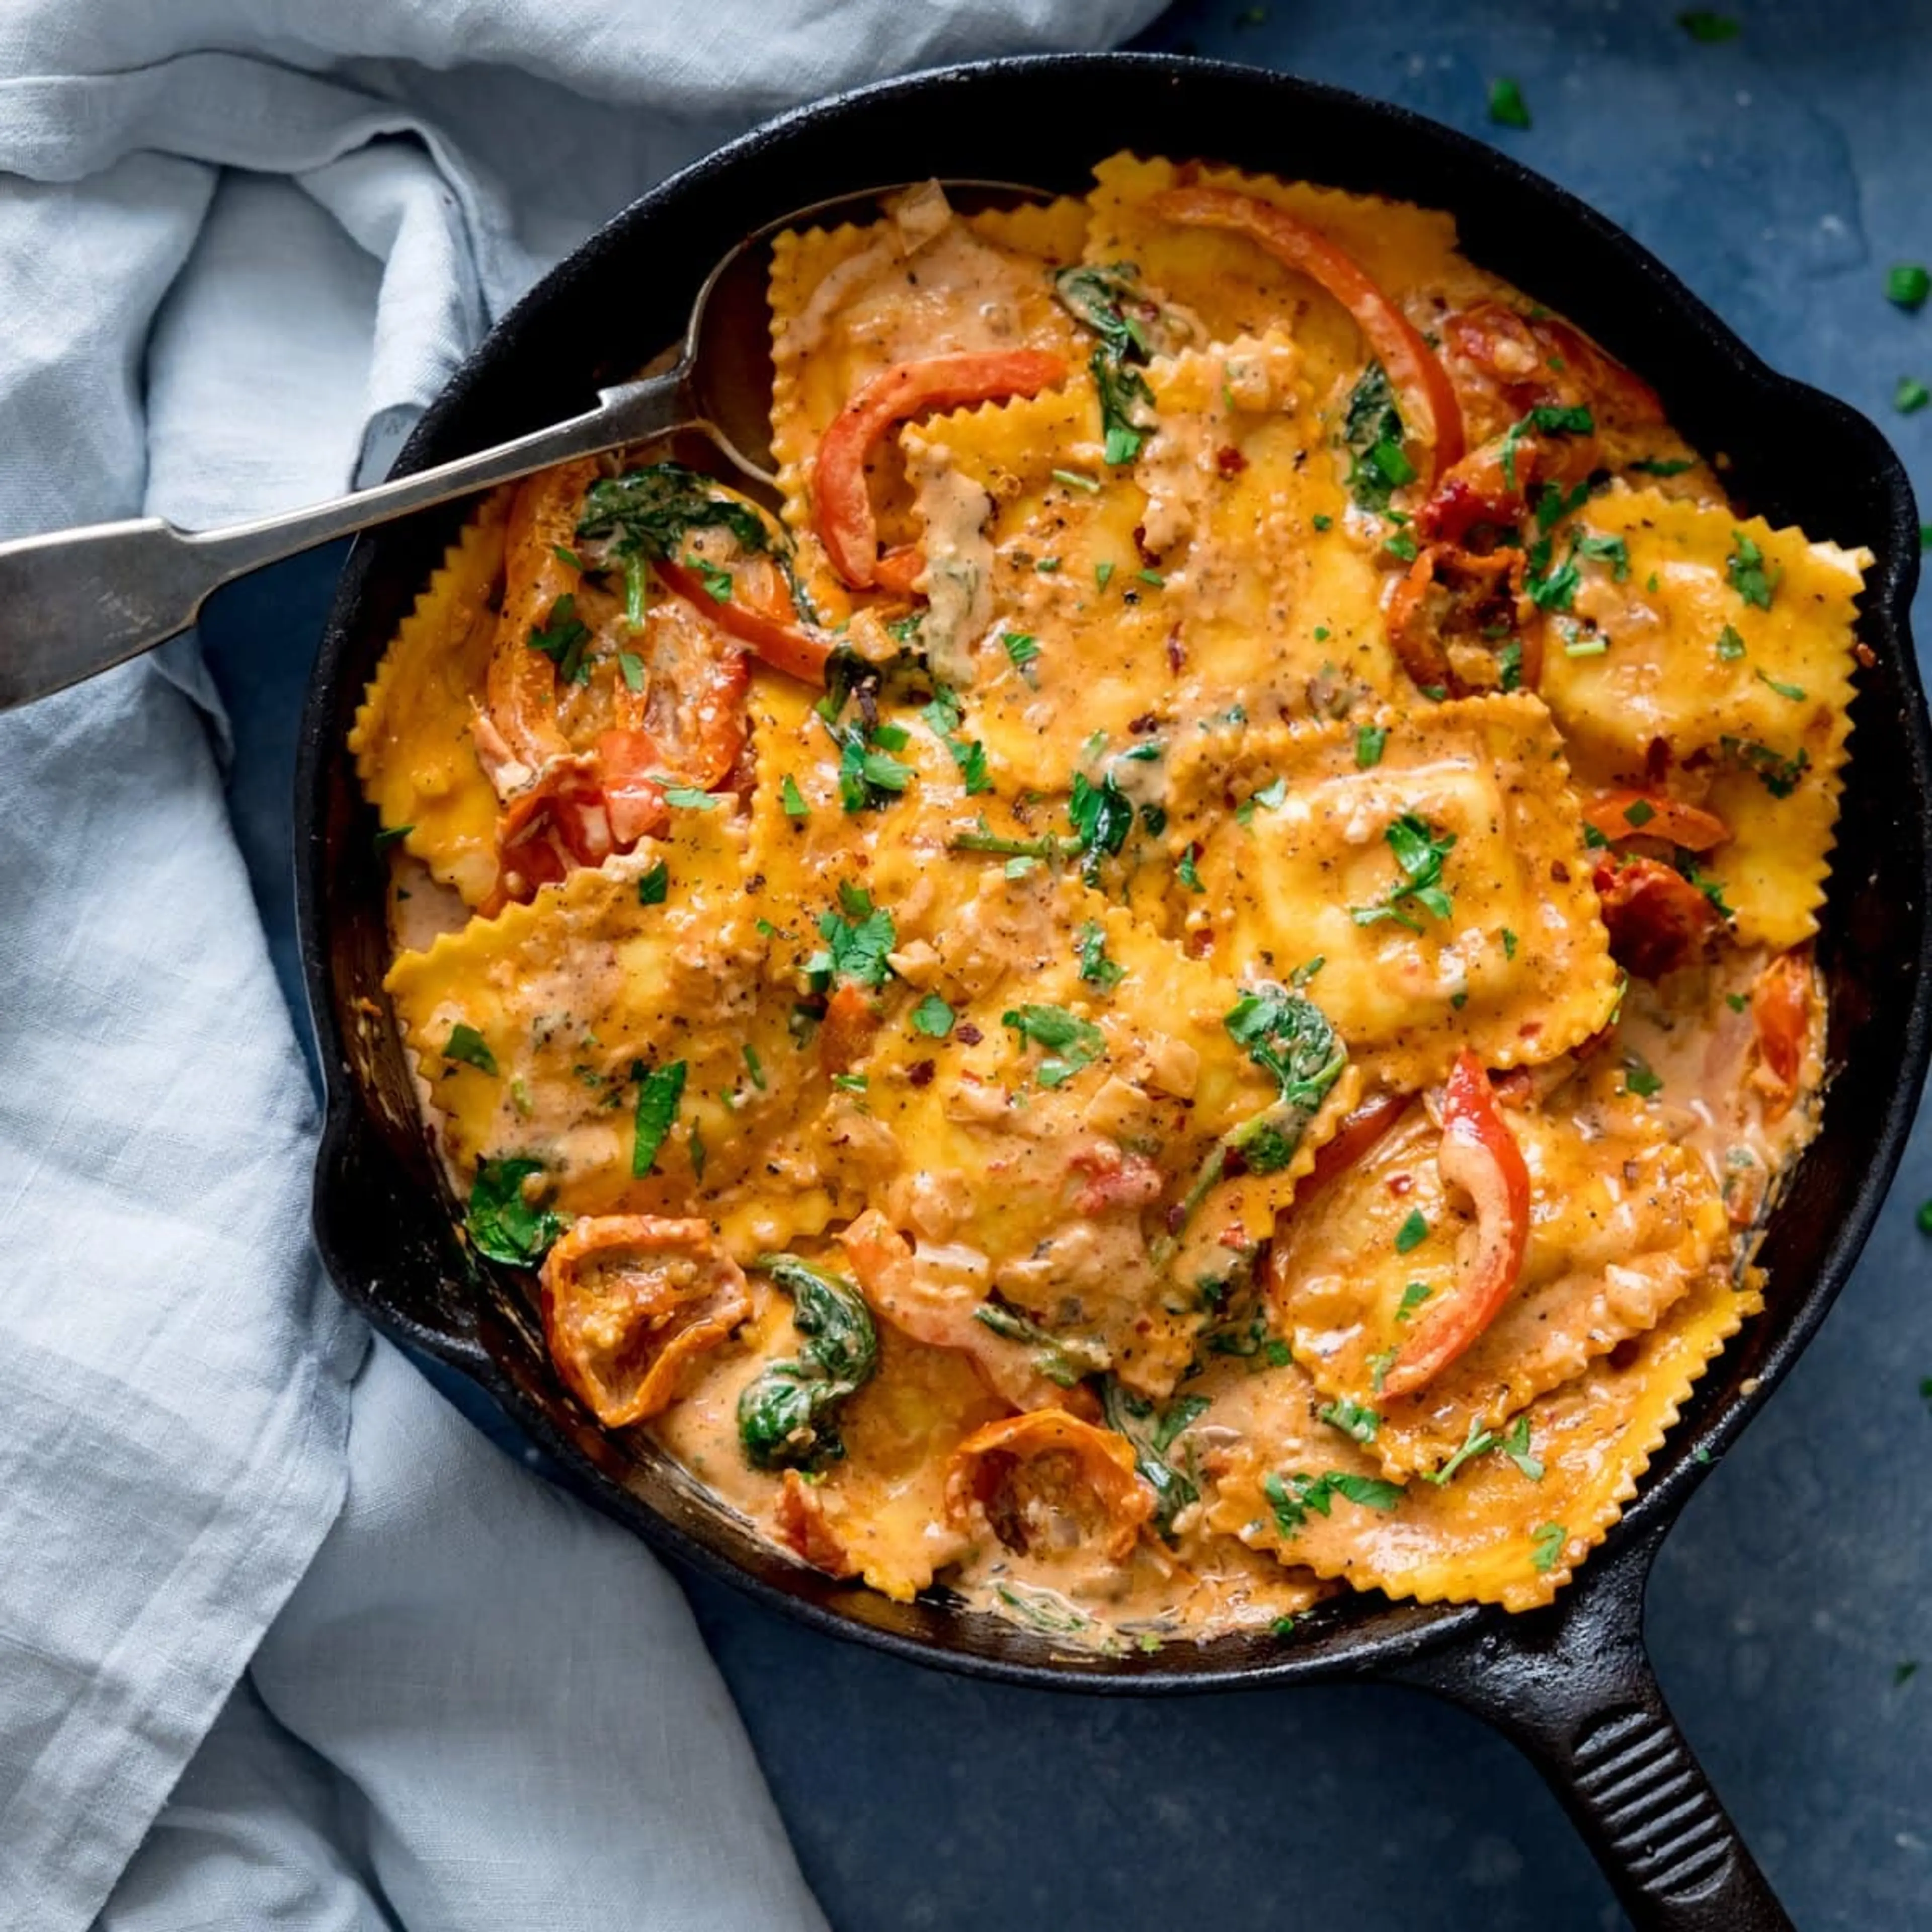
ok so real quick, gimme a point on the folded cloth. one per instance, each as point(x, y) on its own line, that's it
point(241, 242)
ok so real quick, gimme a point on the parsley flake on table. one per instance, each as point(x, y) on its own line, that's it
point(1709, 29)
point(1908, 284)
point(1508, 108)
point(1911, 396)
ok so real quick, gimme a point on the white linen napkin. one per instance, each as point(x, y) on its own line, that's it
point(241, 242)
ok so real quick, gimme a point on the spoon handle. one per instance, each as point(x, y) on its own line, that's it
point(74, 603)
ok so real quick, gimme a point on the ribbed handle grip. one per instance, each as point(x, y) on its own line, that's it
point(1573, 1686)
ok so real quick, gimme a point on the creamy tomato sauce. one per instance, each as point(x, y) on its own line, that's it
point(1184, 985)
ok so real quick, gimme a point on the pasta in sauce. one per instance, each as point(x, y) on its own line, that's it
point(1185, 984)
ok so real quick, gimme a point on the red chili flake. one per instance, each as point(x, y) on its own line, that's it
point(919, 1073)
point(1399, 1184)
point(1177, 654)
point(1229, 461)
point(1176, 1218)
point(1145, 722)
point(1559, 871)
point(967, 1034)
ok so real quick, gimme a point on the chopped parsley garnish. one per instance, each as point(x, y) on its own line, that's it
point(1508, 108)
point(389, 834)
point(855, 948)
point(1047, 566)
point(660, 1090)
point(1908, 284)
point(1413, 1297)
point(1509, 666)
point(502, 1223)
point(1292, 1497)
point(567, 556)
point(1509, 944)
point(1153, 577)
point(1708, 29)
point(689, 798)
point(942, 718)
point(1639, 1079)
point(1402, 544)
point(1369, 741)
point(1184, 871)
point(1548, 1546)
point(717, 580)
point(1096, 968)
point(1070, 1042)
point(1548, 419)
point(1102, 816)
point(1074, 480)
point(754, 1067)
point(1515, 1444)
point(1372, 433)
point(631, 667)
point(468, 1045)
point(1911, 396)
point(1663, 466)
point(852, 1083)
point(1358, 1423)
point(1795, 692)
point(1744, 566)
point(564, 640)
point(1924, 1217)
point(1730, 646)
point(1638, 811)
point(654, 885)
point(1413, 1232)
point(1778, 775)
point(933, 1017)
point(791, 799)
point(1110, 302)
point(1420, 854)
point(1021, 649)
point(1379, 1365)
point(1322, 521)
point(1101, 572)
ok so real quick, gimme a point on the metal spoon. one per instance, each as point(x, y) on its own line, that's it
point(77, 602)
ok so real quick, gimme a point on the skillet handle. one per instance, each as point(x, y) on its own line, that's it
point(1573, 1686)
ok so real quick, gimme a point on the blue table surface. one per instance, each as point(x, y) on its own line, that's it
point(1780, 175)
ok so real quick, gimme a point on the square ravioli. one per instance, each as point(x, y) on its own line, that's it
point(1211, 572)
point(1730, 645)
point(1433, 864)
point(1511, 1525)
point(850, 302)
point(1623, 1221)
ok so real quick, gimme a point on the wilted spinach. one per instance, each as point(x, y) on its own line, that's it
point(786, 1414)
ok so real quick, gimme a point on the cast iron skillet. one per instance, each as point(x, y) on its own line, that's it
point(1571, 1683)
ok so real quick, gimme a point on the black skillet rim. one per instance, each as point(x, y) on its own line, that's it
point(1377, 1634)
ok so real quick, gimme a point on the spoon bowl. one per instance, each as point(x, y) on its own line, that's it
point(75, 603)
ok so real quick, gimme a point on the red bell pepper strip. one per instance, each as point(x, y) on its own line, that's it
point(1656, 817)
point(841, 502)
point(1479, 1154)
point(1412, 367)
point(760, 613)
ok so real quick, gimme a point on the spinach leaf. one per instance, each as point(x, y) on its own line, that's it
point(502, 1223)
point(1060, 1358)
point(1150, 1433)
point(786, 1414)
point(1110, 302)
point(1372, 433)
